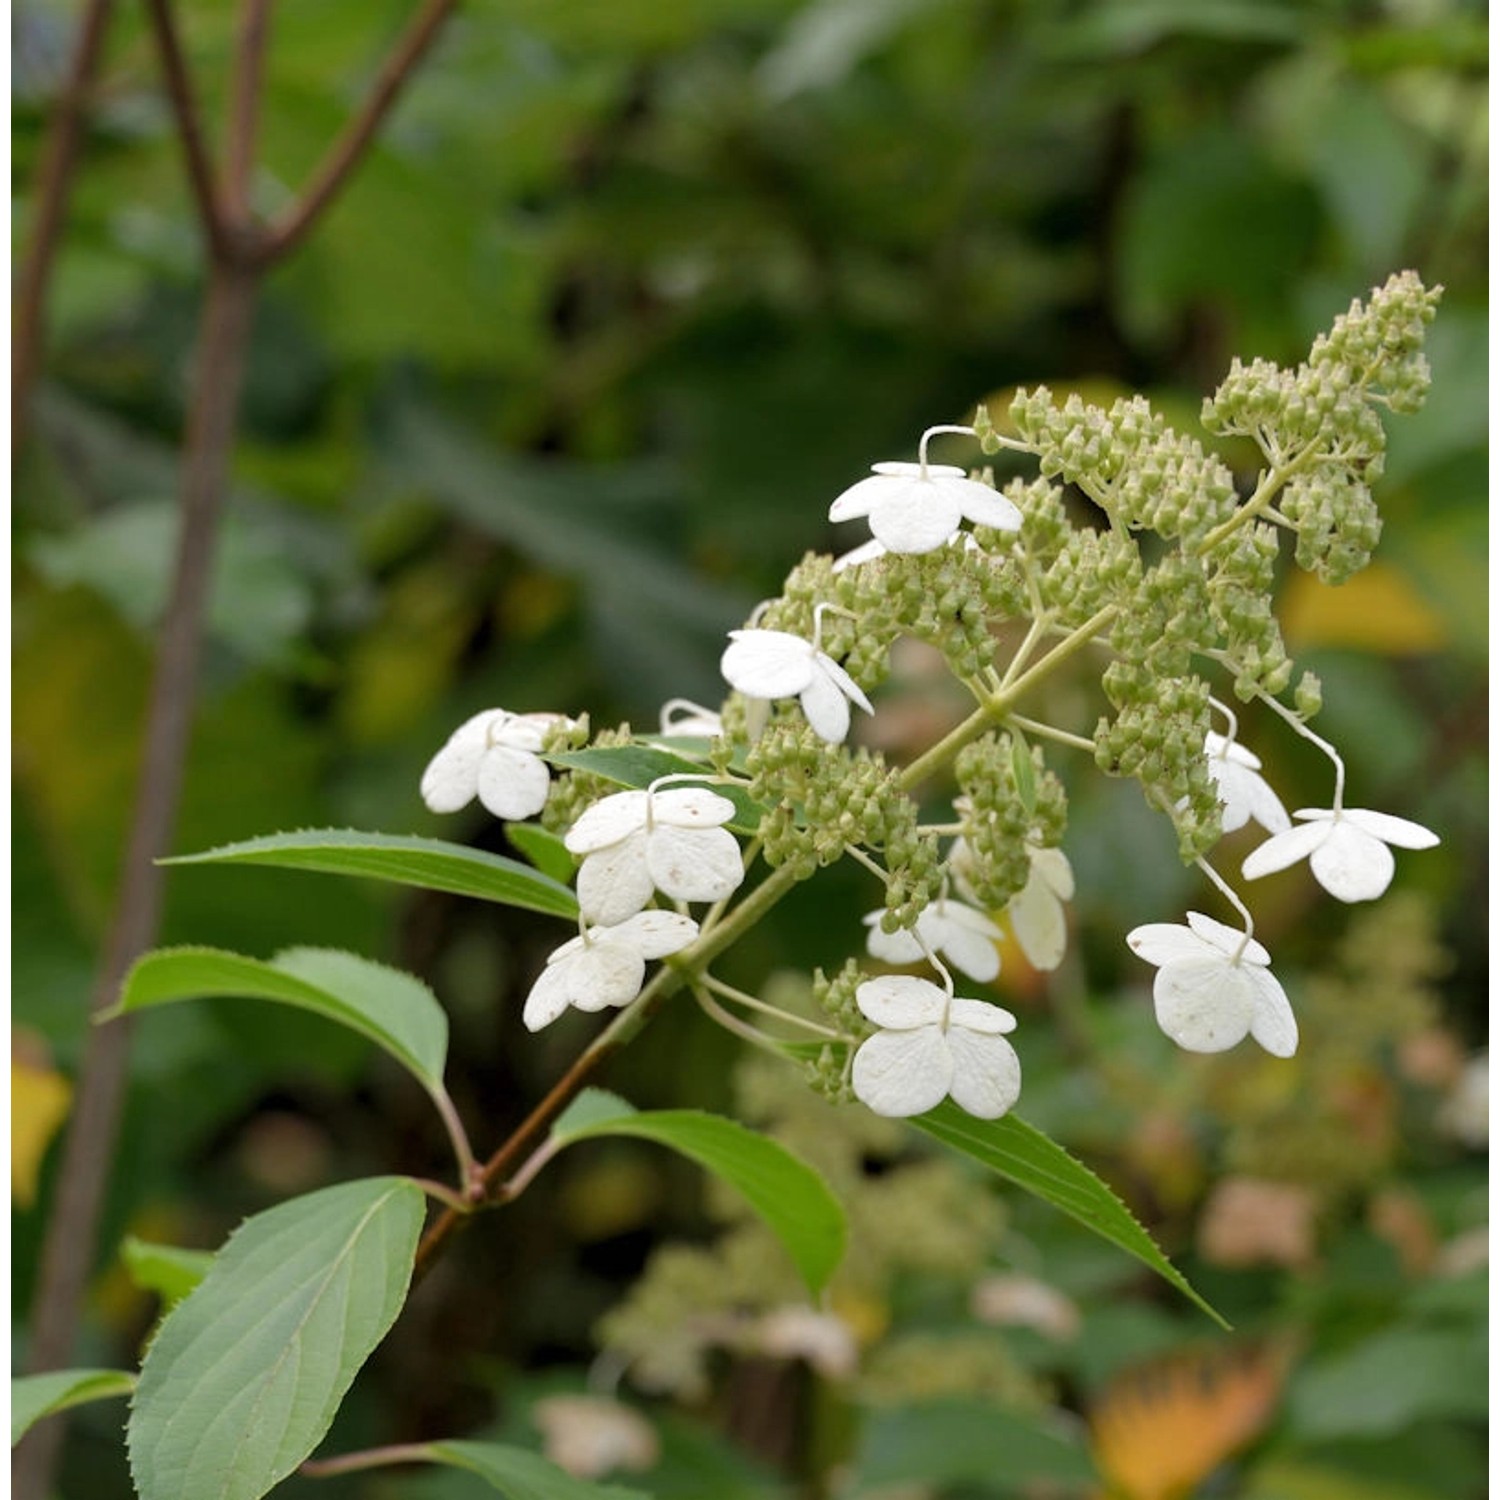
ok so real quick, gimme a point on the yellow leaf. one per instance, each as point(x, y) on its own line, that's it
point(1377, 610)
point(39, 1100)
point(1163, 1427)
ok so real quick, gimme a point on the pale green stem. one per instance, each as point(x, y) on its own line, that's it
point(369, 1458)
point(1265, 492)
point(855, 852)
point(716, 1012)
point(1229, 895)
point(998, 706)
point(729, 992)
point(1295, 720)
point(1049, 732)
point(468, 1168)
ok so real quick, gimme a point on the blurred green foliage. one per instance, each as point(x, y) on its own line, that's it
point(559, 388)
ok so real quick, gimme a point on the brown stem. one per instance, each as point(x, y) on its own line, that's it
point(190, 131)
point(69, 1246)
point(345, 153)
point(244, 107)
point(53, 185)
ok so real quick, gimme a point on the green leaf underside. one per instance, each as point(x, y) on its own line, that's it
point(404, 859)
point(168, 1270)
point(789, 1195)
point(33, 1397)
point(543, 848)
point(394, 1010)
point(637, 766)
point(245, 1375)
point(1034, 1161)
point(521, 1475)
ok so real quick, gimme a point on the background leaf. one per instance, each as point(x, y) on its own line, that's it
point(407, 860)
point(395, 1010)
point(245, 1375)
point(33, 1397)
point(792, 1198)
point(168, 1270)
point(1037, 1163)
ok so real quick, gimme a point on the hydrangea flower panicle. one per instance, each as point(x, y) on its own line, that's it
point(604, 965)
point(917, 507)
point(1346, 848)
point(963, 935)
point(770, 664)
point(492, 756)
point(1214, 986)
point(1244, 794)
point(932, 1045)
point(635, 843)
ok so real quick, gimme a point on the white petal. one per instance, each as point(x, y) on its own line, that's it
point(452, 775)
point(767, 663)
point(615, 883)
point(681, 716)
point(1401, 832)
point(524, 731)
point(979, 1016)
point(1052, 865)
point(1283, 849)
point(694, 864)
point(1272, 1023)
point(956, 914)
point(605, 974)
point(843, 681)
point(1228, 940)
point(982, 505)
point(1264, 805)
point(654, 934)
point(865, 552)
point(1205, 1005)
point(898, 469)
point(1038, 921)
point(901, 1001)
point(607, 822)
point(1352, 864)
point(1169, 943)
point(899, 947)
point(548, 998)
point(512, 784)
point(986, 1073)
point(826, 708)
point(974, 953)
point(691, 807)
point(857, 499)
point(901, 1073)
point(1218, 748)
point(914, 516)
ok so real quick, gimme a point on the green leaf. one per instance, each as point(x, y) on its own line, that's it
point(1037, 1163)
point(167, 1270)
point(33, 1397)
point(1391, 1381)
point(432, 864)
point(638, 766)
point(245, 1375)
point(543, 848)
point(788, 1194)
point(959, 1439)
point(520, 1475)
point(396, 1011)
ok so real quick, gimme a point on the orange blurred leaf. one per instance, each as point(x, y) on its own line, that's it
point(1377, 610)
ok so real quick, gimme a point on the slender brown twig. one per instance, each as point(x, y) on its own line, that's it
point(345, 153)
point(200, 171)
point(53, 186)
point(244, 108)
